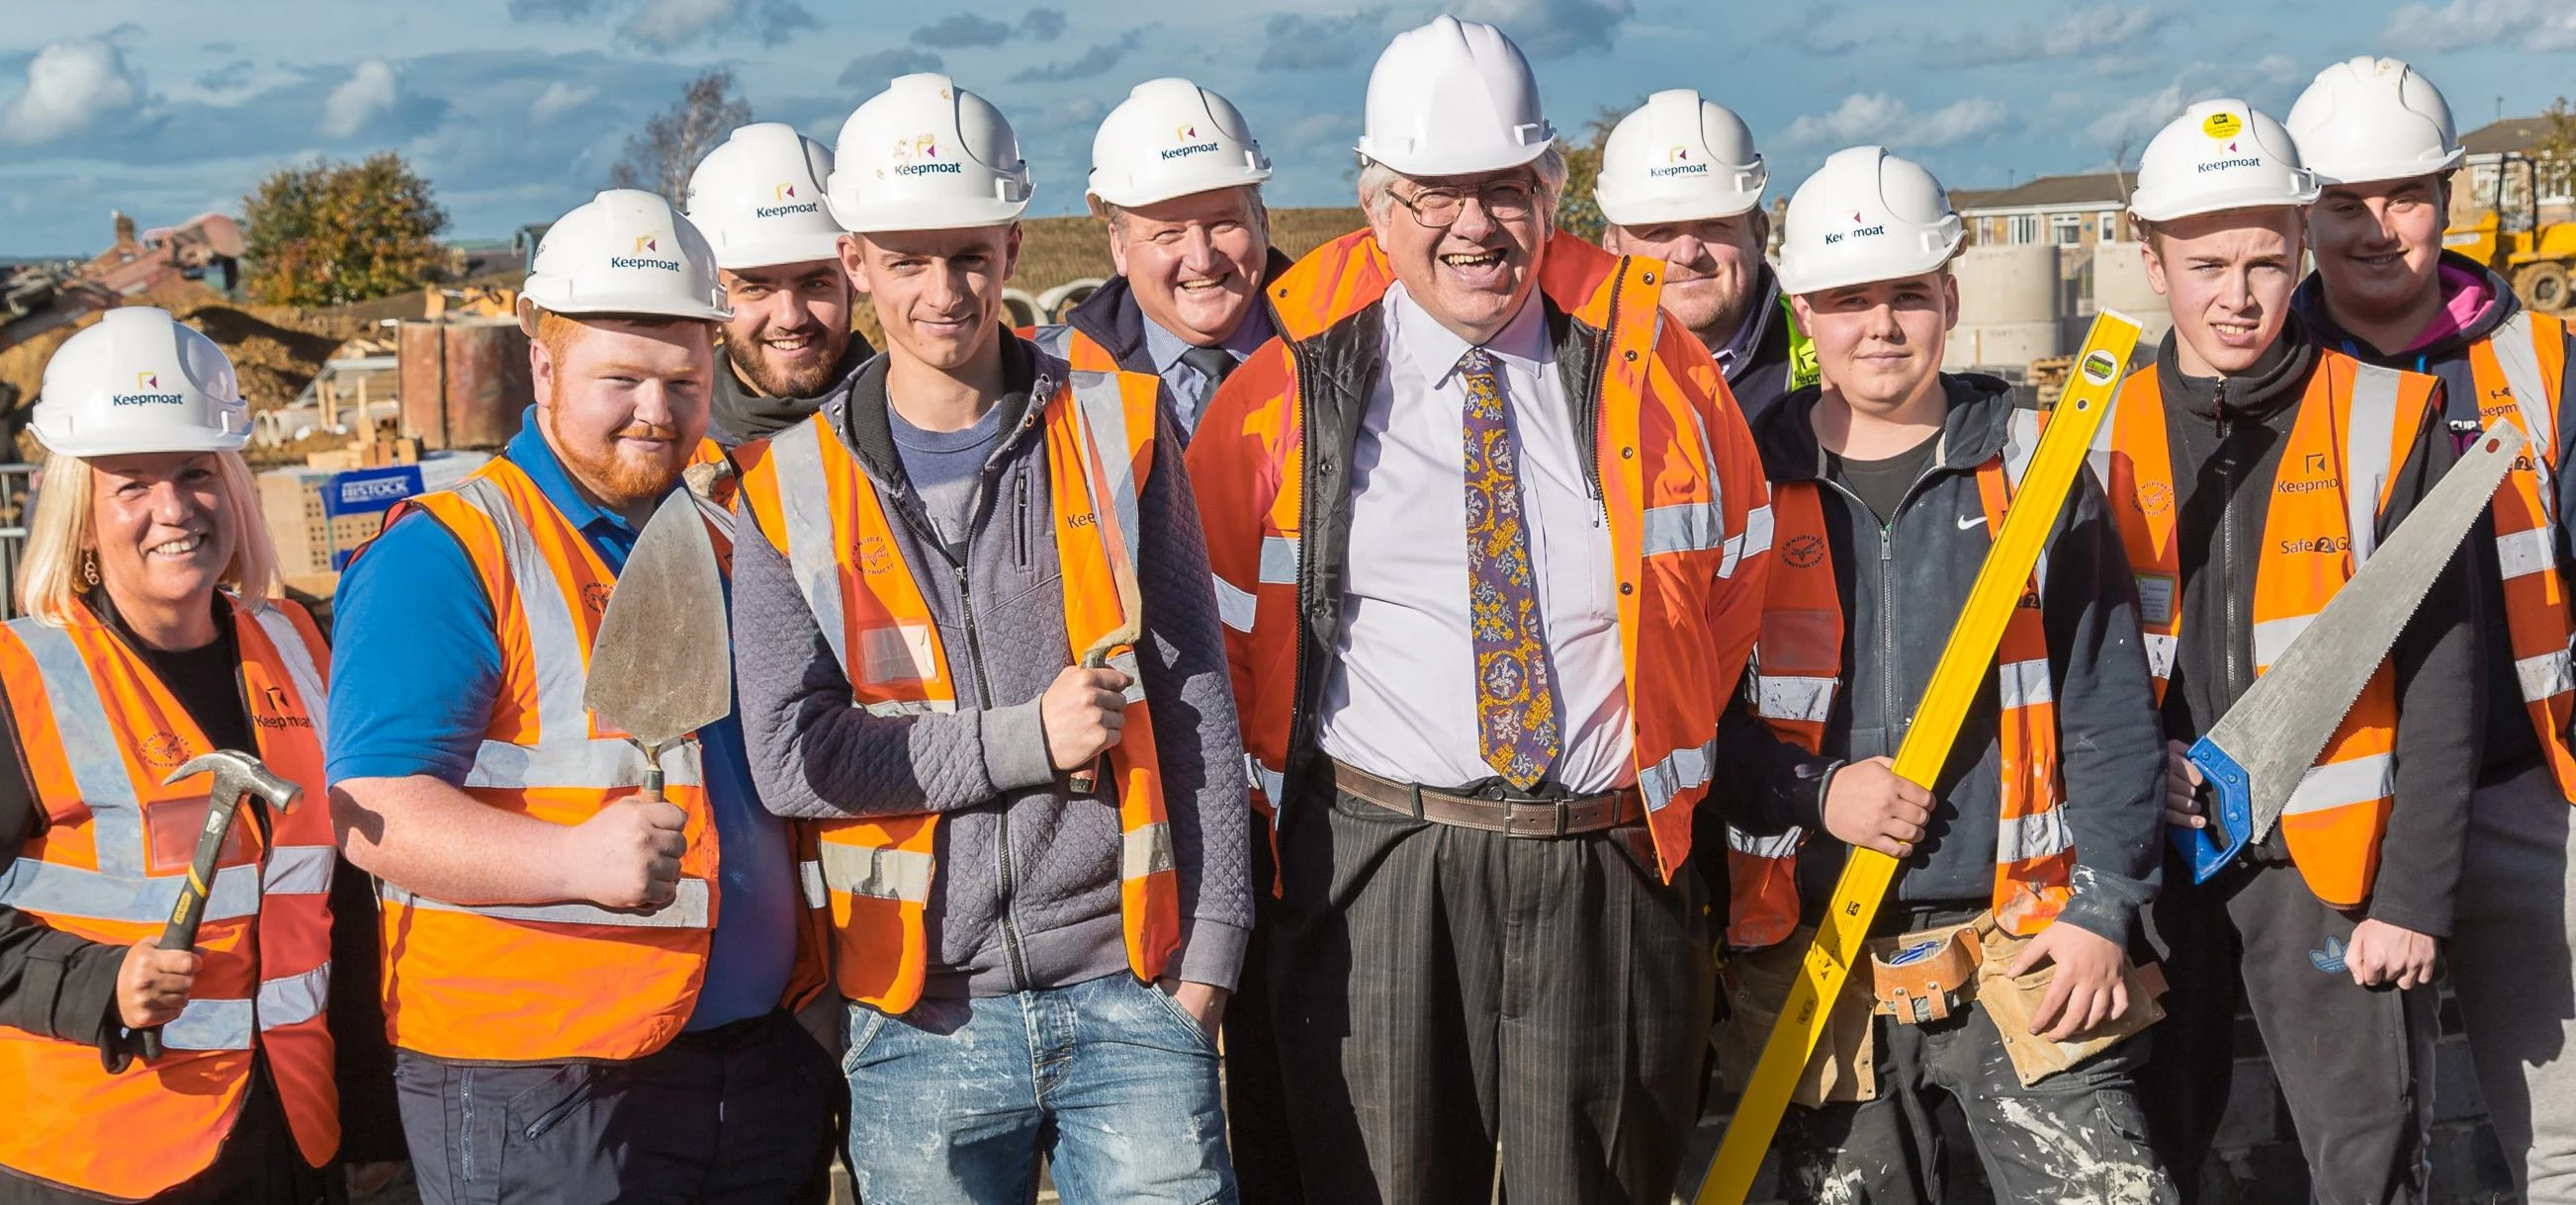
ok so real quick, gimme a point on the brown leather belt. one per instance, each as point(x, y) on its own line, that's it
point(1510, 817)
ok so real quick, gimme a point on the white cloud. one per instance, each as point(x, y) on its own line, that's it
point(559, 98)
point(365, 95)
point(70, 85)
point(668, 25)
point(2137, 120)
point(2525, 24)
point(1877, 117)
point(1547, 29)
point(2095, 27)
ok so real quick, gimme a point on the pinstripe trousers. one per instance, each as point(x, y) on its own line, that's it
point(1444, 995)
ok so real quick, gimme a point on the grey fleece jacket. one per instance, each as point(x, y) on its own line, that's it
point(1026, 895)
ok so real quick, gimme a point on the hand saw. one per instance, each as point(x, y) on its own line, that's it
point(2257, 755)
point(1967, 663)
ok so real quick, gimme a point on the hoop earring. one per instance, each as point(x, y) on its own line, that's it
point(89, 569)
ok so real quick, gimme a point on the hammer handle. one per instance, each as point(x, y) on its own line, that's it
point(181, 932)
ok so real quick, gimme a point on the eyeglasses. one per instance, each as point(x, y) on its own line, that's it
point(1439, 208)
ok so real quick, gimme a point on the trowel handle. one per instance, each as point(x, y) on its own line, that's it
point(2231, 813)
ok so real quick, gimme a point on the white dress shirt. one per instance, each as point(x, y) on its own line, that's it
point(1400, 698)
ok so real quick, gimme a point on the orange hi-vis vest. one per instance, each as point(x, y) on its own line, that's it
point(1689, 514)
point(1797, 670)
point(98, 732)
point(565, 980)
point(2519, 371)
point(2354, 427)
point(813, 501)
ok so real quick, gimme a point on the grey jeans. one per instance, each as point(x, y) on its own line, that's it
point(2078, 1135)
point(2510, 965)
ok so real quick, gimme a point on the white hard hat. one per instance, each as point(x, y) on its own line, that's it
point(625, 251)
point(2219, 155)
point(926, 154)
point(1171, 138)
point(1679, 159)
point(138, 381)
point(2374, 119)
point(759, 198)
point(1866, 215)
point(1453, 98)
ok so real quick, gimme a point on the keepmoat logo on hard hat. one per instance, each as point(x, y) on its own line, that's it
point(919, 156)
point(644, 243)
point(1188, 136)
point(1677, 163)
point(785, 195)
point(1832, 238)
point(147, 392)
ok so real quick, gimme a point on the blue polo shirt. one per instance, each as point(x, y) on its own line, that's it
point(415, 669)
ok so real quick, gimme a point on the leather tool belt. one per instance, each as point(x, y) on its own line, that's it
point(1510, 817)
point(1928, 974)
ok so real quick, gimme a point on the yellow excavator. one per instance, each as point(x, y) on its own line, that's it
point(2538, 259)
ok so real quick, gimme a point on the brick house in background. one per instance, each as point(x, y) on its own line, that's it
point(2488, 146)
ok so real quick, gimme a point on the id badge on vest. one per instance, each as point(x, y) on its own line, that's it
point(2155, 599)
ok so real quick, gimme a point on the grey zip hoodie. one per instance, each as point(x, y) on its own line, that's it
point(1026, 895)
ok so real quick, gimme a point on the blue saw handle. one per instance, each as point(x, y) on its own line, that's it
point(2231, 816)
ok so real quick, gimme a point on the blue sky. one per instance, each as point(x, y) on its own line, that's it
point(516, 108)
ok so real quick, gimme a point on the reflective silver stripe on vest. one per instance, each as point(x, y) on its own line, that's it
point(2518, 357)
point(1755, 540)
point(884, 873)
point(809, 875)
point(90, 747)
point(226, 1024)
point(2041, 835)
point(805, 509)
point(1783, 845)
point(2525, 552)
point(904, 707)
point(2367, 454)
point(2098, 457)
point(2024, 683)
point(1279, 560)
point(300, 869)
point(564, 756)
point(1235, 607)
point(1793, 697)
point(1682, 527)
point(1145, 851)
point(300, 672)
point(688, 910)
point(2021, 442)
point(1104, 414)
point(1271, 782)
point(2345, 782)
point(1686, 768)
point(68, 891)
point(2544, 676)
point(2160, 654)
point(2272, 637)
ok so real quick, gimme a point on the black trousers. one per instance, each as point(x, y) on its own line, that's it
point(1256, 1103)
point(1443, 992)
point(738, 1115)
point(2355, 1064)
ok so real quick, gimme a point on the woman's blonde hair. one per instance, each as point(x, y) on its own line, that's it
point(49, 574)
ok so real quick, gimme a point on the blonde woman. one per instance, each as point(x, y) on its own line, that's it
point(154, 633)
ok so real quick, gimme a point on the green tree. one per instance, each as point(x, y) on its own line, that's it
point(1578, 213)
point(335, 232)
point(2556, 150)
point(661, 158)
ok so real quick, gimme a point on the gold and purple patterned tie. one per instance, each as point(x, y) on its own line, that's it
point(1516, 720)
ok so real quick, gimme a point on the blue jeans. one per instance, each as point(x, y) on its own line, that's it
point(952, 1102)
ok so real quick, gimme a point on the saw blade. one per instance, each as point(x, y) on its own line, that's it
point(2278, 725)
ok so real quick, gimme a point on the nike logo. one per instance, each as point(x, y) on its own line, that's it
point(2329, 959)
point(1965, 524)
